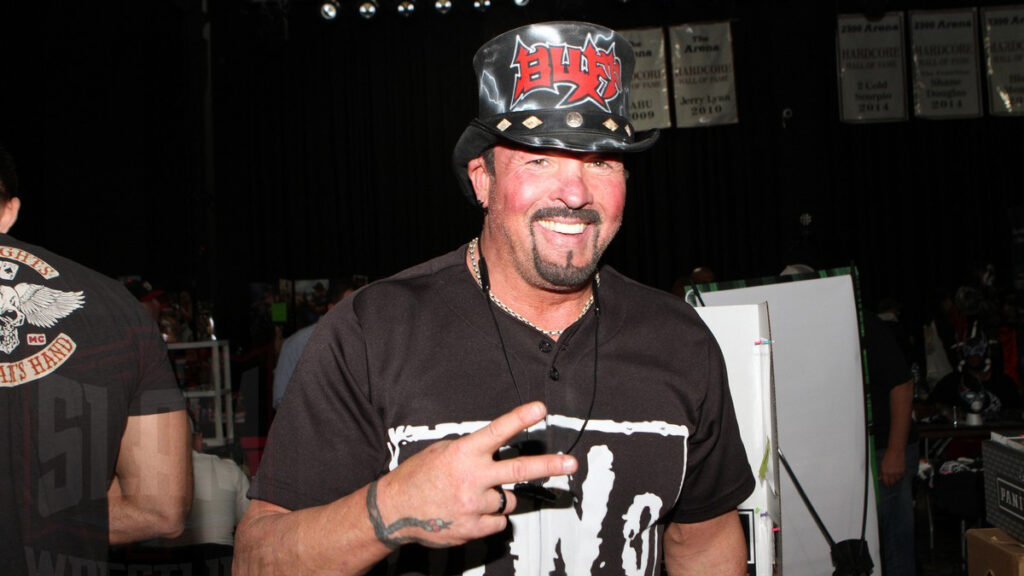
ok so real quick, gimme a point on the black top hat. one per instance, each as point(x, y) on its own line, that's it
point(556, 85)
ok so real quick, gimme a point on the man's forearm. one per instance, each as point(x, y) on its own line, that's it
point(441, 497)
point(901, 399)
point(134, 518)
point(337, 538)
point(151, 492)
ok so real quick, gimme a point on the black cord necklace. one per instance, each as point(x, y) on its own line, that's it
point(526, 489)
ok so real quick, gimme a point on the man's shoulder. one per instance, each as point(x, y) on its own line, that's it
point(437, 268)
point(640, 299)
point(638, 313)
point(434, 279)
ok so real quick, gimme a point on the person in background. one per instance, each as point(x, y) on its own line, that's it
point(152, 299)
point(896, 450)
point(173, 319)
point(218, 504)
point(94, 441)
point(1009, 342)
point(937, 338)
point(292, 347)
point(685, 286)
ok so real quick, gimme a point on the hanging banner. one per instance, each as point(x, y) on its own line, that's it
point(871, 76)
point(947, 83)
point(648, 93)
point(1004, 54)
point(702, 75)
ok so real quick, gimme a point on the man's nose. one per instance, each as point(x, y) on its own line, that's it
point(573, 190)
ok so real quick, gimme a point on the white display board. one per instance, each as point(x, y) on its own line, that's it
point(820, 411)
point(744, 335)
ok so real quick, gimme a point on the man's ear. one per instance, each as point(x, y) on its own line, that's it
point(9, 214)
point(480, 178)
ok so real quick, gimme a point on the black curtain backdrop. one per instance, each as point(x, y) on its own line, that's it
point(327, 149)
point(101, 107)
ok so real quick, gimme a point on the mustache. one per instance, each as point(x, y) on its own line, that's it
point(583, 214)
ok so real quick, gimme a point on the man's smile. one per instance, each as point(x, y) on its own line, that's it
point(566, 220)
point(563, 227)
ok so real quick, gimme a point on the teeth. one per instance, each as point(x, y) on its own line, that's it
point(563, 227)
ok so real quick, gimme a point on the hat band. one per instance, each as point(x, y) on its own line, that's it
point(565, 123)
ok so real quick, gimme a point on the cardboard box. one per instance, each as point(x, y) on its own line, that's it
point(993, 552)
point(1004, 486)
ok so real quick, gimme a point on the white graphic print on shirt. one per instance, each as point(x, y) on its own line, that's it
point(35, 305)
point(577, 544)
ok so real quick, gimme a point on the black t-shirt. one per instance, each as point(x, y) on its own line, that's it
point(416, 358)
point(78, 355)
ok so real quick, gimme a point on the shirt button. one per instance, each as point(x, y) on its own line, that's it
point(553, 374)
point(545, 346)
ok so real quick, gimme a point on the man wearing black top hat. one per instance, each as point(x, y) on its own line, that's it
point(510, 408)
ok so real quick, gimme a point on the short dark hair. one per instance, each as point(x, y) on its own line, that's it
point(8, 176)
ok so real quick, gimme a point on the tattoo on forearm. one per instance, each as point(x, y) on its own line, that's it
point(385, 533)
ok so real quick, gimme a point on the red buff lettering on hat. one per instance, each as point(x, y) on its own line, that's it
point(583, 73)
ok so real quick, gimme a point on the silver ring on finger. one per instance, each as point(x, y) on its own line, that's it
point(504, 500)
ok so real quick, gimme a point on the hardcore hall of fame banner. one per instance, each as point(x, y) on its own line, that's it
point(1004, 53)
point(871, 74)
point(947, 82)
point(648, 95)
point(703, 77)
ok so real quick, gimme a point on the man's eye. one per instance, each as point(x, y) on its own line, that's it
point(539, 161)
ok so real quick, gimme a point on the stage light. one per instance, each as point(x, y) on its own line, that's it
point(443, 6)
point(329, 10)
point(481, 5)
point(406, 7)
point(368, 9)
point(520, 3)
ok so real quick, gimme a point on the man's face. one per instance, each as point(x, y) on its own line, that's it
point(553, 213)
